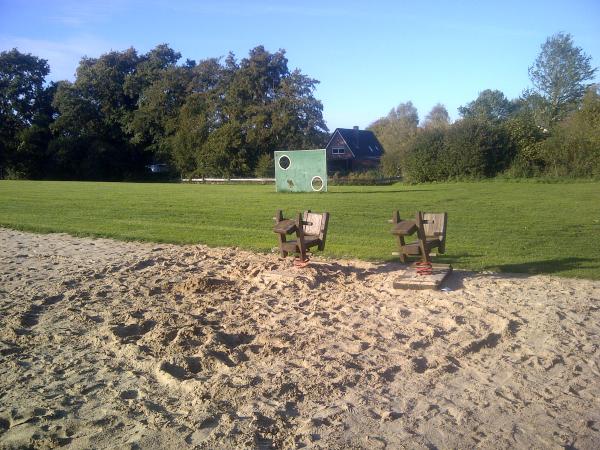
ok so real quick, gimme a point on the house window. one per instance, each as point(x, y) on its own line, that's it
point(338, 150)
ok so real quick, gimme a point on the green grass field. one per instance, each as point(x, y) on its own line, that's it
point(495, 225)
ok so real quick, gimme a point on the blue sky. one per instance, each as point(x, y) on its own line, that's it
point(368, 55)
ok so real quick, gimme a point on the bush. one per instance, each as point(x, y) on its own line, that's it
point(13, 174)
point(522, 168)
point(573, 148)
point(421, 163)
point(475, 149)
point(367, 178)
point(526, 137)
point(469, 149)
point(265, 167)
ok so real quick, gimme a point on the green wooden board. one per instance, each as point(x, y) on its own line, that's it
point(301, 171)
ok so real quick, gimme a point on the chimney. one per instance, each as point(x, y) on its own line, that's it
point(356, 135)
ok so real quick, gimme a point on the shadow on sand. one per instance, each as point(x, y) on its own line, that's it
point(544, 267)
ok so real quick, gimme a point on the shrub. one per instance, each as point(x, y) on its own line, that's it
point(475, 149)
point(366, 178)
point(526, 137)
point(421, 164)
point(265, 167)
point(469, 149)
point(13, 174)
point(573, 148)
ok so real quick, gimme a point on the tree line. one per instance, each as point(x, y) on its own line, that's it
point(124, 111)
point(552, 129)
point(225, 117)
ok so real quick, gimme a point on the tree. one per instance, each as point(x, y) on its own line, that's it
point(125, 110)
point(154, 121)
point(149, 68)
point(192, 129)
point(438, 117)
point(395, 132)
point(239, 111)
point(95, 123)
point(160, 88)
point(297, 116)
point(24, 103)
point(534, 105)
point(103, 81)
point(91, 129)
point(560, 73)
point(405, 114)
point(490, 105)
point(22, 79)
point(275, 107)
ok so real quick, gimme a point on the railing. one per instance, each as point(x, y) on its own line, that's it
point(229, 180)
point(360, 181)
point(333, 181)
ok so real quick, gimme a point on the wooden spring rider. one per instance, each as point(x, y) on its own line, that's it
point(310, 230)
point(431, 233)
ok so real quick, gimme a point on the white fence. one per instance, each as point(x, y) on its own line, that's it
point(229, 180)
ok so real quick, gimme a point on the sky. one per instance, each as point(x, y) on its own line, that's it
point(369, 56)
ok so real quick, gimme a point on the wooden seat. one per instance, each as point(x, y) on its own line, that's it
point(310, 231)
point(292, 245)
point(431, 234)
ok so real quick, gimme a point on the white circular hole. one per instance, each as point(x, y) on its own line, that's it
point(317, 183)
point(284, 162)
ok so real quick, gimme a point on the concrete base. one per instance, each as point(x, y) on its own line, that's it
point(409, 279)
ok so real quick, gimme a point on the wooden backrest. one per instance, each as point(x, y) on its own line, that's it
point(435, 225)
point(317, 223)
point(316, 226)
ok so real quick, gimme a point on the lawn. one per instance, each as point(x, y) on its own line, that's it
point(492, 225)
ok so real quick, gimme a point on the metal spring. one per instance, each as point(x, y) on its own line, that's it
point(424, 268)
point(299, 263)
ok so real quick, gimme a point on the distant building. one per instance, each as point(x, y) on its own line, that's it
point(351, 149)
point(158, 168)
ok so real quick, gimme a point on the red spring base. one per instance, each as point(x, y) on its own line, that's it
point(301, 263)
point(424, 268)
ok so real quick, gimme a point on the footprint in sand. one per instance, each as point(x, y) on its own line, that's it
point(354, 347)
point(194, 364)
point(389, 374)
point(4, 424)
point(419, 364)
point(131, 394)
point(204, 431)
point(53, 299)
point(141, 265)
point(169, 372)
point(31, 317)
point(132, 332)
point(416, 344)
point(198, 285)
point(489, 341)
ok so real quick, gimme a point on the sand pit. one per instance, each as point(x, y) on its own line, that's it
point(108, 344)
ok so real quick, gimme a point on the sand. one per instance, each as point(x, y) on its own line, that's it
point(108, 344)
